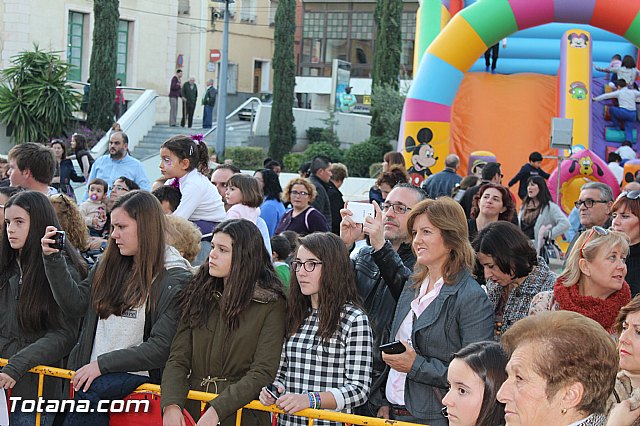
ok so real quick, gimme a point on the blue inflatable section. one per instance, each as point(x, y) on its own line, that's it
point(538, 49)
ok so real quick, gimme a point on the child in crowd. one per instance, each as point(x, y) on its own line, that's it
point(532, 168)
point(626, 151)
point(626, 112)
point(169, 198)
point(627, 71)
point(94, 210)
point(184, 162)
point(280, 251)
point(244, 196)
point(616, 62)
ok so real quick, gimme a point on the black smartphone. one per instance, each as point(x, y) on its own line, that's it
point(59, 240)
point(273, 391)
point(393, 348)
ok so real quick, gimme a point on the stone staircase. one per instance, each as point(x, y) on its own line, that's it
point(238, 133)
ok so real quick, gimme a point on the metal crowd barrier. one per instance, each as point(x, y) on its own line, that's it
point(204, 397)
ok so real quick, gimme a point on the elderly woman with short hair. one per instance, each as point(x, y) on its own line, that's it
point(561, 371)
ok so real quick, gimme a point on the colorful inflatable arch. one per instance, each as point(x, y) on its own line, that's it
point(425, 127)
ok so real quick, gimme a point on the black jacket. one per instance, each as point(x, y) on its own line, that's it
point(380, 277)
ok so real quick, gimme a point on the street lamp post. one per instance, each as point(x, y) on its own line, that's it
point(221, 130)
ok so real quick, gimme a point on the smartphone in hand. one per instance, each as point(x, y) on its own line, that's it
point(393, 348)
point(272, 389)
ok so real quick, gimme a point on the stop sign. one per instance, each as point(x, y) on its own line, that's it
point(214, 55)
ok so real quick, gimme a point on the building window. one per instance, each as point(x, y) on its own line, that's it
point(408, 31)
point(336, 49)
point(312, 50)
point(273, 8)
point(362, 25)
point(75, 45)
point(337, 24)
point(313, 25)
point(248, 11)
point(122, 51)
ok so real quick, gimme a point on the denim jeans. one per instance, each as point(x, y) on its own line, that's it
point(627, 117)
point(207, 117)
point(29, 419)
point(108, 386)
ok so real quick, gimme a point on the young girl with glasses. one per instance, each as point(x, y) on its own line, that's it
point(593, 282)
point(326, 360)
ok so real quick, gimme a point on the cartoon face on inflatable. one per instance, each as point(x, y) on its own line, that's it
point(578, 40)
point(422, 154)
point(578, 90)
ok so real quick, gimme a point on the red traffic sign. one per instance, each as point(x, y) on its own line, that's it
point(214, 55)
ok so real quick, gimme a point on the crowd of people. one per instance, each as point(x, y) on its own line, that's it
point(437, 308)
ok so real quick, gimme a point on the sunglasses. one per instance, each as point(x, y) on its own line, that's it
point(595, 230)
point(631, 195)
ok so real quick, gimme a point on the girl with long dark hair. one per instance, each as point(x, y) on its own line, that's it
point(127, 303)
point(34, 330)
point(475, 375)
point(231, 330)
point(327, 356)
point(539, 212)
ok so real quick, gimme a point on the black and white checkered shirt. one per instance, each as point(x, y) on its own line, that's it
point(342, 365)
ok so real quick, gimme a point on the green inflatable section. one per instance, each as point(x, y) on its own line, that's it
point(491, 19)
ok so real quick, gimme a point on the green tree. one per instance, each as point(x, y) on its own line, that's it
point(386, 106)
point(386, 61)
point(103, 64)
point(282, 133)
point(35, 102)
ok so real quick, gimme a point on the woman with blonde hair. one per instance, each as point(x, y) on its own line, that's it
point(302, 218)
point(593, 282)
point(184, 236)
point(440, 312)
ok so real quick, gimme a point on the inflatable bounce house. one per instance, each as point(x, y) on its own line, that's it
point(546, 70)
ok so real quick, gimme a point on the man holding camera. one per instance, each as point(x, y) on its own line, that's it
point(381, 272)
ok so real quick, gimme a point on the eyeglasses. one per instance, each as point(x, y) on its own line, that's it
point(119, 188)
point(309, 265)
point(301, 194)
point(397, 208)
point(596, 229)
point(588, 203)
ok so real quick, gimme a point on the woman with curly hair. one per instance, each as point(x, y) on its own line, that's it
point(184, 236)
point(493, 202)
point(71, 221)
point(302, 218)
point(387, 180)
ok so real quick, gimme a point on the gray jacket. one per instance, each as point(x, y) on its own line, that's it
point(460, 315)
point(550, 215)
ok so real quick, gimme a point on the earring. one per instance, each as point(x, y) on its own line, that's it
point(563, 411)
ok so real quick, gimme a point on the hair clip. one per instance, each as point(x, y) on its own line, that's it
point(197, 138)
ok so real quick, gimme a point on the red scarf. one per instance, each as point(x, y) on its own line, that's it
point(604, 312)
